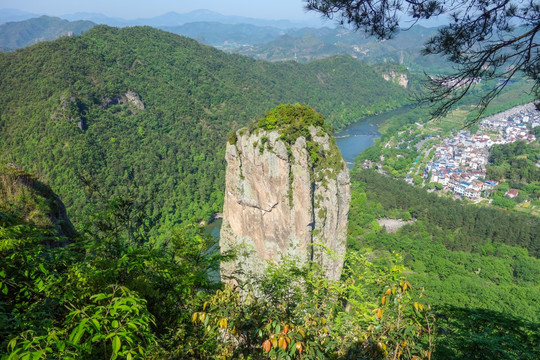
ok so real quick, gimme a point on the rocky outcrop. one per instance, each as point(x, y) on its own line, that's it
point(34, 200)
point(130, 99)
point(287, 194)
point(400, 78)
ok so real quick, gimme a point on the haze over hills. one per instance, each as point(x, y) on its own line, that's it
point(142, 109)
point(15, 35)
point(307, 44)
point(227, 36)
point(274, 40)
point(261, 42)
point(15, 15)
point(167, 19)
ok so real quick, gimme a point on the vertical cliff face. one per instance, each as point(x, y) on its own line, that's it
point(287, 193)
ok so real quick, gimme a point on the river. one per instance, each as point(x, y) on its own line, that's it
point(357, 137)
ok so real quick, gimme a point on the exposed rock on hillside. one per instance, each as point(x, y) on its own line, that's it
point(22, 193)
point(399, 78)
point(130, 99)
point(287, 193)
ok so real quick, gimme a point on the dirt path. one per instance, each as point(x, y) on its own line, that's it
point(393, 225)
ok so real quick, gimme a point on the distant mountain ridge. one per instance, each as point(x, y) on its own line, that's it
point(308, 44)
point(226, 36)
point(168, 19)
point(16, 35)
point(273, 40)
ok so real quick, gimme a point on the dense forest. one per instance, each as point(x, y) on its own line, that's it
point(460, 227)
point(472, 262)
point(514, 165)
point(108, 292)
point(145, 113)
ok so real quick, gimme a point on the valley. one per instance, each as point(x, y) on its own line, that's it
point(193, 96)
point(260, 189)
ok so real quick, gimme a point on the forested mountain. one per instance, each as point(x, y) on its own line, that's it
point(143, 112)
point(307, 43)
point(129, 127)
point(274, 41)
point(15, 35)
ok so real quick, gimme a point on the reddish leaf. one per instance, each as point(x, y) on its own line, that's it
point(267, 346)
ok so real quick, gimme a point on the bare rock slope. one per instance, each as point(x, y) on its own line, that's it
point(287, 193)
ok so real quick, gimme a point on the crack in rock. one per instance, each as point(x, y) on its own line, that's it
point(257, 206)
point(271, 208)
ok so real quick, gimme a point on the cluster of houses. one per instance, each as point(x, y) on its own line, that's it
point(456, 82)
point(459, 163)
point(514, 124)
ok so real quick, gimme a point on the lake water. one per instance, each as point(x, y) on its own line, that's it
point(214, 227)
point(356, 138)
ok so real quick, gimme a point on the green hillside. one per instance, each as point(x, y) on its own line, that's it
point(479, 266)
point(145, 113)
point(16, 35)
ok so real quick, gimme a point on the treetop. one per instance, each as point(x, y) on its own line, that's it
point(291, 116)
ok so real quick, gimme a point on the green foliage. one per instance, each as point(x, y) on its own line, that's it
point(514, 165)
point(116, 324)
point(104, 295)
point(22, 195)
point(485, 294)
point(107, 295)
point(503, 202)
point(233, 138)
point(484, 334)
point(292, 120)
point(464, 228)
point(293, 312)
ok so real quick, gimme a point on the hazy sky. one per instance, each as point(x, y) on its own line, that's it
point(131, 9)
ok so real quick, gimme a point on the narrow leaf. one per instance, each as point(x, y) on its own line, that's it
point(116, 344)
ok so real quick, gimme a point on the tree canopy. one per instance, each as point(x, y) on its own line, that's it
point(485, 39)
